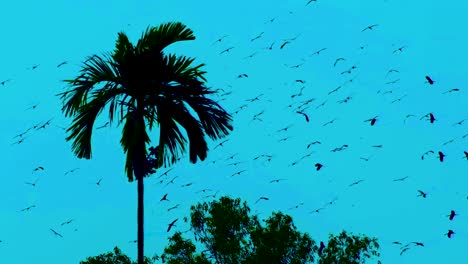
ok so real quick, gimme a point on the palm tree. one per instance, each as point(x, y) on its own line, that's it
point(141, 86)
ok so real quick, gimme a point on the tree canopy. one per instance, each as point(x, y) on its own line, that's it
point(228, 233)
point(224, 232)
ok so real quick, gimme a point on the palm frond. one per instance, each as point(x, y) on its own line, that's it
point(170, 137)
point(82, 125)
point(198, 148)
point(158, 38)
point(179, 68)
point(122, 48)
point(94, 71)
point(134, 140)
point(215, 120)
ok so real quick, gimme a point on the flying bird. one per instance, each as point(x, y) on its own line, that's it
point(429, 80)
point(164, 198)
point(28, 208)
point(369, 27)
point(66, 222)
point(372, 120)
point(40, 168)
point(421, 193)
point(284, 44)
point(173, 207)
point(171, 225)
point(400, 49)
point(5, 81)
point(304, 114)
point(452, 90)
point(62, 63)
point(220, 39)
point(430, 117)
point(450, 233)
point(33, 184)
point(425, 153)
point(262, 198)
point(55, 233)
point(355, 183)
point(401, 179)
point(441, 156)
point(313, 143)
point(277, 180)
point(451, 215)
point(337, 60)
point(257, 37)
point(318, 166)
point(226, 50)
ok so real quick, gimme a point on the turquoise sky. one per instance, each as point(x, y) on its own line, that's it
point(415, 38)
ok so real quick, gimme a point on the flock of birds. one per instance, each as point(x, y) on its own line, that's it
point(297, 106)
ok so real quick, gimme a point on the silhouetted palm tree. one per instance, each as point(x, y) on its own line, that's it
point(142, 86)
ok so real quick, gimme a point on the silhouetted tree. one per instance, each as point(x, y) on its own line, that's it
point(141, 87)
point(230, 235)
point(115, 257)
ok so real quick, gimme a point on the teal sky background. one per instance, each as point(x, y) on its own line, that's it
point(434, 40)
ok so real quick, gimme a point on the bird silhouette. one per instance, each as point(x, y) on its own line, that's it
point(221, 144)
point(369, 27)
point(401, 179)
point(400, 49)
point(422, 194)
point(304, 114)
point(441, 156)
point(313, 143)
point(452, 90)
point(238, 173)
point(39, 168)
point(425, 153)
point(33, 184)
point(98, 183)
point(171, 225)
point(164, 198)
point(220, 39)
point(67, 222)
point(5, 81)
point(450, 233)
point(61, 64)
point(338, 60)
point(430, 117)
point(103, 126)
point(28, 208)
point(452, 215)
point(262, 198)
point(284, 44)
point(318, 51)
point(226, 50)
point(173, 207)
point(355, 183)
point(55, 233)
point(429, 80)
point(257, 37)
point(372, 120)
point(318, 166)
point(277, 180)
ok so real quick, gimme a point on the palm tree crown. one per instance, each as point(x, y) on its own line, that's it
point(142, 86)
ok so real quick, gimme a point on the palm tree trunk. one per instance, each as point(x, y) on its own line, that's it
point(140, 221)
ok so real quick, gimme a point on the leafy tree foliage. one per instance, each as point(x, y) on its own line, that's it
point(116, 257)
point(229, 234)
